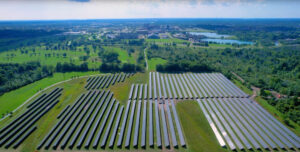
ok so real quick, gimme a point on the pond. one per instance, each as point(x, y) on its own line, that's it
point(210, 34)
point(219, 38)
point(226, 41)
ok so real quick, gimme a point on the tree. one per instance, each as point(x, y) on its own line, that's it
point(263, 92)
point(65, 55)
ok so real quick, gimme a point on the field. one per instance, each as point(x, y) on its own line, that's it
point(49, 57)
point(123, 55)
point(154, 61)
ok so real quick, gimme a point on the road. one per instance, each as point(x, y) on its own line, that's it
point(146, 60)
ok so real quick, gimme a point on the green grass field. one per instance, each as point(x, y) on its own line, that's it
point(154, 61)
point(196, 129)
point(42, 55)
point(123, 55)
point(11, 100)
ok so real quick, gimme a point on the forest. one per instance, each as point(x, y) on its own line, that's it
point(13, 76)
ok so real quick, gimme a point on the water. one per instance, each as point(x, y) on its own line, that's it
point(210, 34)
point(226, 41)
point(218, 38)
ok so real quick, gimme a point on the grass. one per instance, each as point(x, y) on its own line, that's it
point(242, 87)
point(9, 102)
point(123, 55)
point(196, 129)
point(154, 61)
point(15, 56)
point(121, 90)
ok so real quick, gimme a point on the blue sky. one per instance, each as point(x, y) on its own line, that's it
point(104, 9)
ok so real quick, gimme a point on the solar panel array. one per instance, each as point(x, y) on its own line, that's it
point(237, 122)
point(87, 123)
point(243, 124)
point(102, 82)
point(96, 120)
point(192, 86)
point(20, 128)
point(138, 125)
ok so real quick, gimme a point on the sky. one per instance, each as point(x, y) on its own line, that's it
point(111, 9)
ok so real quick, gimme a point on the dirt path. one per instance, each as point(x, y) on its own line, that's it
point(255, 91)
point(237, 76)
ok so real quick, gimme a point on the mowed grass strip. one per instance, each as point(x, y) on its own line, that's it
point(196, 129)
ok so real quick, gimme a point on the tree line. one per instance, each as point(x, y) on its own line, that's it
point(14, 75)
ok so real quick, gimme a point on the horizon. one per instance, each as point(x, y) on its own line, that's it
point(147, 9)
point(99, 19)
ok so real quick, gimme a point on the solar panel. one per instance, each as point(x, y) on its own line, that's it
point(158, 138)
point(123, 125)
point(181, 86)
point(163, 86)
point(158, 85)
point(128, 135)
point(226, 124)
point(168, 87)
point(137, 125)
point(176, 87)
point(172, 87)
point(143, 143)
point(254, 136)
point(219, 125)
point(212, 124)
point(260, 124)
point(150, 125)
point(171, 126)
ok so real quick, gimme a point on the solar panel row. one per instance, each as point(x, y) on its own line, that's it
point(99, 82)
point(192, 86)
